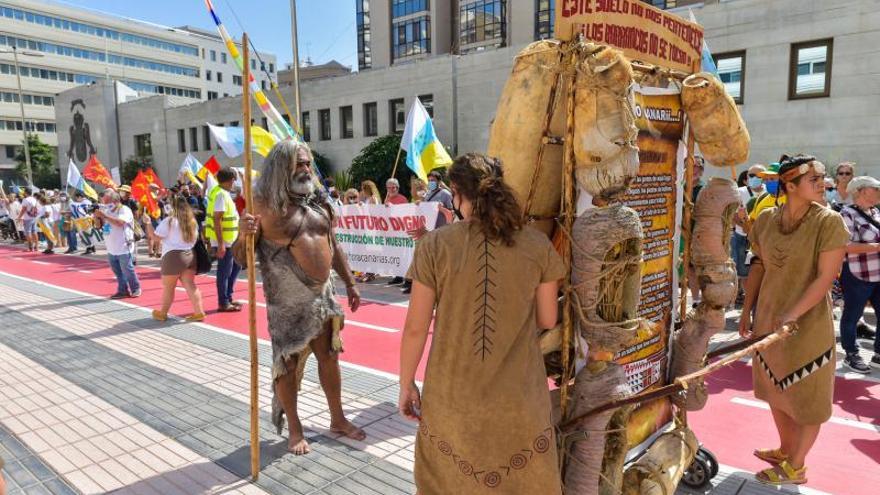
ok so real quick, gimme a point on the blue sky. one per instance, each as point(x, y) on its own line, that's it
point(326, 27)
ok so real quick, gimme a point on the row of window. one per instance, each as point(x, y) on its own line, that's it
point(481, 21)
point(411, 37)
point(79, 27)
point(809, 70)
point(57, 75)
point(9, 97)
point(401, 8)
point(396, 119)
point(69, 51)
point(365, 55)
point(32, 126)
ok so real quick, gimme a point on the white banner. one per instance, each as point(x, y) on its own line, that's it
point(114, 172)
point(376, 238)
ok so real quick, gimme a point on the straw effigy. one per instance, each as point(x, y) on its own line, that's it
point(660, 468)
point(710, 250)
point(689, 346)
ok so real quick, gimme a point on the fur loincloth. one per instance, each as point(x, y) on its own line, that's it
point(298, 308)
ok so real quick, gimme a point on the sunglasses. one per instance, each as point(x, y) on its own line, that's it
point(844, 173)
point(829, 189)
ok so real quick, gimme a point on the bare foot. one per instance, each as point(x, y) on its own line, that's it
point(298, 445)
point(346, 428)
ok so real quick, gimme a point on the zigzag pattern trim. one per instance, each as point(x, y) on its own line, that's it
point(799, 374)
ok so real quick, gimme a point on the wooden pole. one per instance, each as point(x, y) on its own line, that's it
point(394, 170)
point(252, 273)
point(686, 222)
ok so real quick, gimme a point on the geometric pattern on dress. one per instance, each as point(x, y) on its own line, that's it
point(490, 479)
point(800, 373)
point(484, 314)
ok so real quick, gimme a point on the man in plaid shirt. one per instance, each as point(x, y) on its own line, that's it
point(860, 277)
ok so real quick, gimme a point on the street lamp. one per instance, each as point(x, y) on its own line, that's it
point(27, 151)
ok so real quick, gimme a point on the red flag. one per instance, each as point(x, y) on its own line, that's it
point(212, 165)
point(140, 190)
point(153, 178)
point(95, 172)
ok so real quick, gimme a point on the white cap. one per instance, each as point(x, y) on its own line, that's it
point(862, 182)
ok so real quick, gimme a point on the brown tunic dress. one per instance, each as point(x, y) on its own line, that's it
point(486, 425)
point(796, 376)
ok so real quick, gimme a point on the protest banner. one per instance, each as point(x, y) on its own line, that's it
point(375, 237)
point(643, 32)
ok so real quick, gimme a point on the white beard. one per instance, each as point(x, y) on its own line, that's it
point(305, 188)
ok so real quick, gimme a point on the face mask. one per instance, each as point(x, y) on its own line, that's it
point(755, 182)
point(772, 187)
point(456, 211)
point(432, 186)
point(829, 196)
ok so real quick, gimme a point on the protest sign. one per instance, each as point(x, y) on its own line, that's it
point(375, 237)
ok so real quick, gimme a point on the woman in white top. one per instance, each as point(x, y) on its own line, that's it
point(179, 232)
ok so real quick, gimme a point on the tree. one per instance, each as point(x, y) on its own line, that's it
point(132, 165)
point(323, 164)
point(46, 174)
point(376, 161)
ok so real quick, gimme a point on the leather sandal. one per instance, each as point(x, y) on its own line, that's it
point(782, 474)
point(195, 317)
point(773, 456)
point(159, 316)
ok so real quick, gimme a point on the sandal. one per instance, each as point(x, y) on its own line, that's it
point(195, 317)
point(773, 456)
point(783, 474)
point(159, 316)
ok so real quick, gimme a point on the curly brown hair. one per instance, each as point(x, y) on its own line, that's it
point(480, 179)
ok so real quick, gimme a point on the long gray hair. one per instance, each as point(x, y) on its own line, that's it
point(273, 188)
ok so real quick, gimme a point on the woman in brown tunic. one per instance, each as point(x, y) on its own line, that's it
point(485, 423)
point(799, 249)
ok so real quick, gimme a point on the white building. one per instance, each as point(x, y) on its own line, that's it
point(79, 46)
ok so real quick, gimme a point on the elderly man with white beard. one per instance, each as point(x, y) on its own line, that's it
point(296, 249)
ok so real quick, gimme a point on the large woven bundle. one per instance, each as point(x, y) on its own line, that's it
point(586, 452)
point(606, 274)
point(718, 126)
point(517, 133)
point(660, 468)
point(690, 345)
point(606, 155)
point(710, 251)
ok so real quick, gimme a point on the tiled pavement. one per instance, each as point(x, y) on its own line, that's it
point(96, 397)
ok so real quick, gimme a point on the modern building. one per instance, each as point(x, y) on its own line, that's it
point(311, 71)
point(71, 46)
point(792, 98)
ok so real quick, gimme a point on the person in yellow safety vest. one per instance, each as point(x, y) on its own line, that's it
point(221, 228)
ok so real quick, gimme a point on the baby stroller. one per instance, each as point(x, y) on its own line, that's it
point(7, 228)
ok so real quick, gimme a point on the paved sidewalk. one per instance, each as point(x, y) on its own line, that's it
point(96, 397)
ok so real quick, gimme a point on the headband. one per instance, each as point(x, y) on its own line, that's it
point(790, 175)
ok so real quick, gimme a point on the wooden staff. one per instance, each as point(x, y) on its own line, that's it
point(251, 269)
point(686, 221)
point(394, 170)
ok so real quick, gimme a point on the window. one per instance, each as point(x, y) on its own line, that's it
point(213, 56)
point(10, 151)
point(219, 77)
point(810, 69)
point(236, 80)
point(365, 57)
point(346, 124)
point(411, 37)
point(207, 75)
point(194, 138)
point(223, 57)
point(234, 123)
point(396, 115)
point(306, 127)
point(212, 95)
point(181, 141)
point(324, 118)
point(271, 68)
point(206, 137)
point(263, 85)
point(143, 145)
point(253, 64)
point(731, 71)
point(400, 8)
point(371, 119)
point(545, 18)
point(481, 22)
point(225, 95)
point(428, 103)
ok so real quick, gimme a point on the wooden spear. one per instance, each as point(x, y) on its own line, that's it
point(251, 269)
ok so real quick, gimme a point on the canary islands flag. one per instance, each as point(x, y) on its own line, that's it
point(75, 180)
point(231, 140)
point(424, 152)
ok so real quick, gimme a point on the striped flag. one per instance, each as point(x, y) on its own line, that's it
point(76, 181)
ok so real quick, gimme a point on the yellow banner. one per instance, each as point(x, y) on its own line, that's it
point(654, 195)
point(642, 31)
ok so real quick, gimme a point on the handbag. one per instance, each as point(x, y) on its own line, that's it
point(203, 259)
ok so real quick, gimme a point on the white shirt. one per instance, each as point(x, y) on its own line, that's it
point(172, 237)
point(220, 207)
point(56, 212)
point(31, 208)
point(120, 238)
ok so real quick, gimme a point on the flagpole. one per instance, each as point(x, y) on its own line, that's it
point(394, 170)
point(252, 275)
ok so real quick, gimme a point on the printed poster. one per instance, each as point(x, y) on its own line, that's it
point(375, 237)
